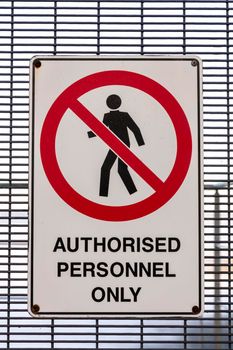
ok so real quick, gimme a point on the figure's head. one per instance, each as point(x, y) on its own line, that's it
point(113, 101)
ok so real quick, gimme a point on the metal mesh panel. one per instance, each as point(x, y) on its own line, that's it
point(110, 27)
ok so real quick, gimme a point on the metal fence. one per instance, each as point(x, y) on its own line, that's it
point(204, 28)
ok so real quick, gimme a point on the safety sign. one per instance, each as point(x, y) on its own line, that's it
point(116, 187)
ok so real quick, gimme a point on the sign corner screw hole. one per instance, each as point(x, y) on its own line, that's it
point(37, 63)
point(35, 309)
point(194, 63)
point(195, 309)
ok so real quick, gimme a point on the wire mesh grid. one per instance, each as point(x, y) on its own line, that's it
point(203, 28)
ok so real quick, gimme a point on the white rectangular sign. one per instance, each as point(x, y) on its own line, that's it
point(116, 187)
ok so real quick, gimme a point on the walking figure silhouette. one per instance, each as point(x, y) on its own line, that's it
point(118, 122)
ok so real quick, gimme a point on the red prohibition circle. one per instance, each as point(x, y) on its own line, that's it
point(126, 212)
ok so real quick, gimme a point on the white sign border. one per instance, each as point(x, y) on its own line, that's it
point(33, 309)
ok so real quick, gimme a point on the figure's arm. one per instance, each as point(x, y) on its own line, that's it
point(136, 131)
point(105, 120)
point(91, 133)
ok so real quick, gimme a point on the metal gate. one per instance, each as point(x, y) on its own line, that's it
point(204, 28)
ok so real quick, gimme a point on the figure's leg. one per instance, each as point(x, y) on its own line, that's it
point(105, 173)
point(126, 177)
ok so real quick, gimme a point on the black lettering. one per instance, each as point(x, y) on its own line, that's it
point(157, 268)
point(115, 273)
point(76, 245)
point(61, 267)
point(128, 242)
point(115, 241)
point(75, 268)
point(112, 294)
point(88, 267)
point(167, 272)
point(160, 243)
point(138, 242)
point(123, 298)
point(86, 243)
point(102, 267)
point(135, 293)
point(98, 298)
point(147, 244)
point(173, 244)
point(144, 270)
point(59, 245)
point(99, 244)
point(129, 269)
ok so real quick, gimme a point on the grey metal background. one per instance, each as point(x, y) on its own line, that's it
point(110, 27)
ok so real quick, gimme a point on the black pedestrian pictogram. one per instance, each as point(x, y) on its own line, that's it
point(119, 123)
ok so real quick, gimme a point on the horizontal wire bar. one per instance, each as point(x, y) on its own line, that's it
point(103, 333)
point(130, 1)
point(60, 35)
point(91, 53)
point(125, 341)
point(114, 14)
point(118, 7)
point(78, 43)
point(116, 30)
point(131, 23)
point(91, 348)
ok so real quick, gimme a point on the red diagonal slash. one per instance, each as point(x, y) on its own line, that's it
point(116, 145)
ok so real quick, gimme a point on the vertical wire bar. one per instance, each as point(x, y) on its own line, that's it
point(54, 52)
point(184, 28)
point(10, 176)
point(98, 28)
point(142, 28)
point(142, 53)
point(55, 29)
point(98, 53)
point(97, 333)
point(217, 285)
point(141, 334)
point(184, 52)
point(228, 174)
point(52, 333)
